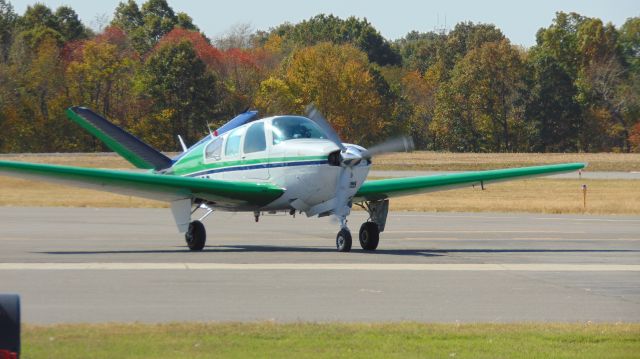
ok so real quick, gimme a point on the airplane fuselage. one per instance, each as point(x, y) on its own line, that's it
point(299, 163)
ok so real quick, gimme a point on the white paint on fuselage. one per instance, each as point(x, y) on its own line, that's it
point(313, 184)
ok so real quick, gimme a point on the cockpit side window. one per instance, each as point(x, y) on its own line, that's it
point(232, 148)
point(254, 140)
point(292, 127)
point(214, 149)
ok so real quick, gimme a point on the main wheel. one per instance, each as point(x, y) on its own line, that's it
point(343, 240)
point(369, 236)
point(196, 236)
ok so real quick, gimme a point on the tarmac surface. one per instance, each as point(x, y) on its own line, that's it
point(101, 265)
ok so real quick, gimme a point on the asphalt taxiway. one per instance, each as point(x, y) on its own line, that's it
point(98, 265)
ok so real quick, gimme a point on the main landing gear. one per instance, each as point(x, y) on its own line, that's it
point(196, 236)
point(369, 235)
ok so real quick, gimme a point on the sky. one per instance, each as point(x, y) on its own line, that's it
point(518, 20)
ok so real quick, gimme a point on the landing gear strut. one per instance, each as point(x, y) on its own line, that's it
point(196, 236)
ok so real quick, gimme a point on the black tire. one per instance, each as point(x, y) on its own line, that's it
point(10, 322)
point(369, 236)
point(343, 240)
point(196, 236)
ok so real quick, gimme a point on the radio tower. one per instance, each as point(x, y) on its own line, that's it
point(441, 30)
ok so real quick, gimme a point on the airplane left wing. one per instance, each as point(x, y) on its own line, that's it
point(229, 194)
point(395, 187)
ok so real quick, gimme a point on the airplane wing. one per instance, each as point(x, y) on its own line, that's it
point(396, 187)
point(229, 194)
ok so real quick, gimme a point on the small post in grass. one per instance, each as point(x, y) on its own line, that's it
point(584, 197)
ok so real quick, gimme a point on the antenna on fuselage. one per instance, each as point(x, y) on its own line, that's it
point(213, 134)
point(184, 146)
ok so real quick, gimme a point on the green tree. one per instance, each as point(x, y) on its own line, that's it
point(420, 51)
point(181, 89)
point(560, 40)
point(465, 37)
point(8, 20)
point(127, 16)
point(329, 28)
point(39, 22)
point(147, 25)
point(629, 41)
point(38, 15)
point(553, 109)
point(484, 104)
point(599, 61)
point(69, 25)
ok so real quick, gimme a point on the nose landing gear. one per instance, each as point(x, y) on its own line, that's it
point(343, 240)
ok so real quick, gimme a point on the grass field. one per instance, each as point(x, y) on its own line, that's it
point(446, 161)
point(534, 195)
point(420, 160)
point(306, 340)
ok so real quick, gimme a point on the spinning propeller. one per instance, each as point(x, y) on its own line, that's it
point(352, 156)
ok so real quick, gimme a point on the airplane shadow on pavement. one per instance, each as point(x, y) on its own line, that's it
point(394, 252)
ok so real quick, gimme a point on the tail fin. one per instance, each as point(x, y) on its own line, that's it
point(127, 145)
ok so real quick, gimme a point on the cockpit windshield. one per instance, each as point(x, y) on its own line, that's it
point(293, 127)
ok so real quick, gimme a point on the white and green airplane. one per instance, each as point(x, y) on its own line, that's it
point(280, 163)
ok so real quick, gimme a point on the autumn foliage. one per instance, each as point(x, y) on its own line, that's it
point(206, 52)
point(154, 72)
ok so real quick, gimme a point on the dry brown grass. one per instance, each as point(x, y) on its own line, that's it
point(446, 161)
point(97, 160)
point(420, 160)
point(18, 192)
point(536, 195)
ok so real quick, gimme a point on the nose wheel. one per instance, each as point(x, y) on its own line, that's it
point(196, 236)
point(343, 240)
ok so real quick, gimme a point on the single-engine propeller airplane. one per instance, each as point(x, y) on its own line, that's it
point(280, 163)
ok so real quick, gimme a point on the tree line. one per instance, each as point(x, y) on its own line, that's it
point(152, 71)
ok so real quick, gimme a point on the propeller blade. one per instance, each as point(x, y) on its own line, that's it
point(398, 144)
point(314, 115)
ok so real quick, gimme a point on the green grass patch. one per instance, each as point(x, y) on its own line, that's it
point(304, 340)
